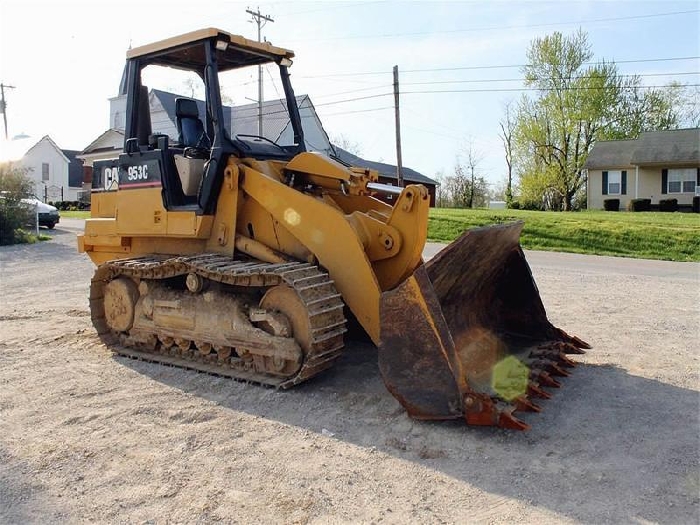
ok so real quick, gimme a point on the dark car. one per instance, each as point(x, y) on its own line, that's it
point(48, 215)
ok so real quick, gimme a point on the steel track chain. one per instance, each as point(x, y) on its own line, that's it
point(315, 288)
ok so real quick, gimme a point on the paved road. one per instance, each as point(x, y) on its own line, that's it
point(569, 261)
point(600, 264)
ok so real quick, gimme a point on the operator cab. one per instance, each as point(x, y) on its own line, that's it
point(188, 160)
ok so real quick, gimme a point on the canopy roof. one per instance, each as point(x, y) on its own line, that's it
point(180, 51)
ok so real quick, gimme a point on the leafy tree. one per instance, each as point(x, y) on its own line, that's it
point(461, 190)
point(14, 186)
point(576, 103)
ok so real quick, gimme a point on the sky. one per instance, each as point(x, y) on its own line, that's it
point(459, 63)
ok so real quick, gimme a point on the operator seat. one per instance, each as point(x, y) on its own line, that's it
point(189, 126)
point(190, 164)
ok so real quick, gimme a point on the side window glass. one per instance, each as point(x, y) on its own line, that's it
point(165, 86)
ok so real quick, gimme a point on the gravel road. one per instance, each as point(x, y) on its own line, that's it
point(88, 437)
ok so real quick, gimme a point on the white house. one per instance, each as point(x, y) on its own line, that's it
point(243, 120)
point(657, 165)
point(57, 174)
point(239, 119)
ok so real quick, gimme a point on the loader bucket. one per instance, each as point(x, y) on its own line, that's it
point(467, 336)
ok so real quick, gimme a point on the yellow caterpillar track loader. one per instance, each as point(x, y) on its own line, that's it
point(242, 255)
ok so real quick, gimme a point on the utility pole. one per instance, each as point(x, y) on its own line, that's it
point(261, 20)
point(3, 105)
point(399, 170)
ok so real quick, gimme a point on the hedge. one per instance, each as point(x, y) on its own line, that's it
point(611, 204)
point(639, 205)
point(70, 205)
point(668, 205)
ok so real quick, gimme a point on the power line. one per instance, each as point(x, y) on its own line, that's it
point(466, 68)
point(491, 80)
point(277, 112)
point(491, 28)
point(485, 90)
point(583, 77)
point(380, 86)
point(330, 8)
point(261, 21)
point(353, 99)
point(499, 90)
point(3, 104)
point(369, 110)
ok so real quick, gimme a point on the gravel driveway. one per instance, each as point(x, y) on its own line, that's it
point(87, 437)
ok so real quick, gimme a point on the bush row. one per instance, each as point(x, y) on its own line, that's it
point(70, 205)
point(639, 205)
point(614, 205)
point(670, 205)
point(611, 204)
point(525, 205)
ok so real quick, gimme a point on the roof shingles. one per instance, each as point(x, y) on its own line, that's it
point(677, 146)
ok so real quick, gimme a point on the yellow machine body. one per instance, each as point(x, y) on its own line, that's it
point(252, 269)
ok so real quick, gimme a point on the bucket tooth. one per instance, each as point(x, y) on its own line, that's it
point(523, 404)
point(565, 347)
point(550, 366)
point(579, 344)
point(506, 419)
point(544, 378)
point(573, 349)
point(534, 390)
point(556, 370)
point(565, 361)
point(551, 355)
point(576, 343)
point(467, 335)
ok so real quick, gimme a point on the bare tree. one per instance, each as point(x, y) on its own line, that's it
point(508, 124)
point(472, 158)
point(441, 193)
point(347, 144)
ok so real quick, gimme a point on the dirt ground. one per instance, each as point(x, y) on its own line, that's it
point(87, 437)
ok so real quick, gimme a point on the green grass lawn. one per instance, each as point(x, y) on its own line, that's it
point(645, 235)
point(75, 214)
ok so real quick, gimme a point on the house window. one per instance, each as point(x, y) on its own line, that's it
point(44, 171)
point(614, 182)
point(682, 180)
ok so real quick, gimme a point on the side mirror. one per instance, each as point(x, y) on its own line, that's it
point(131, 146)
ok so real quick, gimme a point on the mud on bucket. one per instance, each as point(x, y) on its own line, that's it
point(467, 335)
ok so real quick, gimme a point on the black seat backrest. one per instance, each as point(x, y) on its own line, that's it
point(189, 126)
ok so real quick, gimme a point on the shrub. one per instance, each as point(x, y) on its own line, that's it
point(668, 205)
point(514, 205)
point(14, 214)
point(611, 204)
point(639, 205)
point(70, 205)
point(530, 205)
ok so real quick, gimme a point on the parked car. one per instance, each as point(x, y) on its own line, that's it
point(48, 215)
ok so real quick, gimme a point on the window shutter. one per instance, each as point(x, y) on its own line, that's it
point(697, 182)
point(605, 183)
point(664, 181)
point(623, 183)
